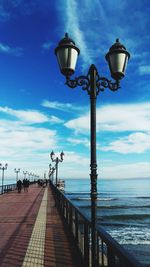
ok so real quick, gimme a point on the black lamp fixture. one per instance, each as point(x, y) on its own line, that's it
point(57, 160)
point(67, 54)
point(3, 168)
point(117, 57)
point(17, 171)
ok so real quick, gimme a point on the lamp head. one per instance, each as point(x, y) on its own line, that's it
point(117, 58)
point(62, 155)
point(67, 53)
point(52, 155)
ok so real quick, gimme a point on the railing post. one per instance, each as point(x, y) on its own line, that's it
point(86, 244)
point(70, 218)
point(111, 257)
point(76, 228)
point(67, 213)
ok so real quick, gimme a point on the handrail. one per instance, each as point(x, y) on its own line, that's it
point(109, 252)
point(7, 188)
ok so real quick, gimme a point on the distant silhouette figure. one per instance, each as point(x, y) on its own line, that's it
point(25, 185)
point(19, 186)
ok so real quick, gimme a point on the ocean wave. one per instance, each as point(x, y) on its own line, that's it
point(125, 217)
point(144, 197)
point(89, 198)
point(117, 224)
point(114, 207)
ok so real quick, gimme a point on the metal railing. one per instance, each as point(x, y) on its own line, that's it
point(109, 252)
point(7, 188)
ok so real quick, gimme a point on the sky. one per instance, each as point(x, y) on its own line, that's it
point(39, 113)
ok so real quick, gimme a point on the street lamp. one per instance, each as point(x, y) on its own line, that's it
point(93, 83)
point(52, 173)
point(16, 171)
point(57, 160)
point(29, 175)
point(50, 168)
point(25, 173)
point(3, 168)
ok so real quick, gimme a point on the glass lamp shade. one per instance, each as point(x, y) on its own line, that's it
point(67, 54)
point(117, 58)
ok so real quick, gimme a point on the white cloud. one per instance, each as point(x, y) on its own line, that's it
point(144, 70)
point(60, 106)
point(15, 51)
point(116, 118)
point(25, 146)
point(132, 170)
point(30, 116)
point(17, 136)
point(79, 141)
point(75, 165)
point(134, 143)
point(73, 28)
point(47, 45)
point(27, 116)
point(55, 119)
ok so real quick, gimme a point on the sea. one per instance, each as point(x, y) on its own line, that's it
point(123, 210)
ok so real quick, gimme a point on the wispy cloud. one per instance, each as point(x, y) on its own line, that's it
point(27, 116)
point(116, 118)
point(144, 70)
point(60, 106)
point(15, 51)
point(73, 28)
point(30, 116)
point(56, 120)
point(130, 170)
point(79, 141)
point(134, 143)
point(47, 45)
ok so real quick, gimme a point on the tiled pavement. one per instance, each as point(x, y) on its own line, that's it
point(31, 231)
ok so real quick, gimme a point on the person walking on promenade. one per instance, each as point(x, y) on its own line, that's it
point(19, 186)
point(27, 184)
point(24, 185)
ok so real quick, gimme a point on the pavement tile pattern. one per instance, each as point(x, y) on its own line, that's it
point(32, 233)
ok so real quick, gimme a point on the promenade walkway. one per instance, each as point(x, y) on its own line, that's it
point(32, 233)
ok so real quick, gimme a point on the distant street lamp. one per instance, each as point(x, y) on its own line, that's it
point(25, 173)
point(117, 58)
point(29, 174)
point(3, 168)
point(57, 160)
point(50, 171)
point(16, 171)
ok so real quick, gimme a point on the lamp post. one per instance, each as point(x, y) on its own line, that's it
point(117, 57)
point(50, 170)
point(25, 173)
point(53, 170)
point(57, 160)
point(16, 171)
point(29, 175)
point(3, 168)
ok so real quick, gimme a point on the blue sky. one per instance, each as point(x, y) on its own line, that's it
point(39, 113)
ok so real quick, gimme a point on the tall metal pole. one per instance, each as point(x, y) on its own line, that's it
point(93, 165)
point(2, 179)
point(16, 171)
point(57, 170)
point(3, 169)
point(57, 160)
point(25, 173)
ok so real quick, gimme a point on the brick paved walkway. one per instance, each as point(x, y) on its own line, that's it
point(32, 233)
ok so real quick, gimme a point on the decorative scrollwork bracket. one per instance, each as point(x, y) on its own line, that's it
point(101, 83)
